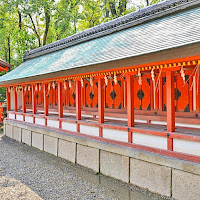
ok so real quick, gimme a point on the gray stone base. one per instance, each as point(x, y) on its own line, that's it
point(37, 140)
point(67, 150)
point(185, 185)
point(26, 137)
point(51, 145)
point(164, 175)
point(148, 175)
point(88, 157)
point(114, 165)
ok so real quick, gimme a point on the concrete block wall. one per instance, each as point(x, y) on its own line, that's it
point(164, 175)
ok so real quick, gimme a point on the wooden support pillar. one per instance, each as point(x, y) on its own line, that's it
point(60, 99)
point(8, 99)
point(23, 99)
point(170, 102)
point(78, 103)
point(191, 94)
point(46, 113)
point(33, 100)
point(198, 91)
point(161, 94)
point(152, 97)
point(169, 143)
point(130, 104)
point(101, 103)
point(156, 85)
point(15, 99)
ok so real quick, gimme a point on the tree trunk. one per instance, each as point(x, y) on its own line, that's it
point(106, 9)
point(9, 51)
point(47, 23)
point(122, 6)
point(112, 8)
point(34, 29)
point(20, 20)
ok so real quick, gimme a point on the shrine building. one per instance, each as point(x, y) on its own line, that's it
point(4, 66)
point(121, 98)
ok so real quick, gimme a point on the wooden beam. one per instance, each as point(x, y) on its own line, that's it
point(170, 102)
point(190, 94)
point(46, 113)
point(78, 100)
point(33, 99)
point(170, 143)
point(101, 99)
point(152, 93)
point(198, 91)
point(23, 99)
point(60, 99)
point(130, 100)
point(8, 99)
point(130, 104)
point(15, 99)
point(161, 94)
point(101, 103)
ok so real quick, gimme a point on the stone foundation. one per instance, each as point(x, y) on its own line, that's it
point(164, 175)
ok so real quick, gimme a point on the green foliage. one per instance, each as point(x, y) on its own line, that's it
point(28, 24)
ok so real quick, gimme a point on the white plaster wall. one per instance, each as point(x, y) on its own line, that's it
point(150, 140)
point(12, 105)
point(40, 121)
point(11, 116)
point(187, 125)
point(115, 118)
point(19, 117)
point(53, 123)
point(159, 122)
point(113, 134)
point(69, 126)
point(186, 146)
point(19, 99)
point(69, 114)
point(89, 130)
point(140, 121)
point(29, 119)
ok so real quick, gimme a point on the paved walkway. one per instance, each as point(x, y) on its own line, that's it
point(29, 174)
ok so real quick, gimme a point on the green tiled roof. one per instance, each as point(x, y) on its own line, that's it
point(168, 32)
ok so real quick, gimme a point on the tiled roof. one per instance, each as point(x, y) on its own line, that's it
point(181, 28)
point(133, 19)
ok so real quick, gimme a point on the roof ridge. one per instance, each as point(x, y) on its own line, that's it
point(117, 24)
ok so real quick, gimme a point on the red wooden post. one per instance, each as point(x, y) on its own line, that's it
point(23, 99)
point(170, 143)
point(46, 113)
point(191, 94)
point(152, 93)
point(198, 91)
point(60, 99)
point(161, 94)
point(15, 99)
point(78, 103)
point(130, 104)
point(170, 102)
point(78, 100)
point(156, 93)
point(33, 100)
point(8, 99)
point(101, 103)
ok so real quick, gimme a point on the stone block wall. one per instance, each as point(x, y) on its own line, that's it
point(164, 175)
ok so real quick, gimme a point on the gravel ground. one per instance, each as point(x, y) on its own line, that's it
point(30, 174)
